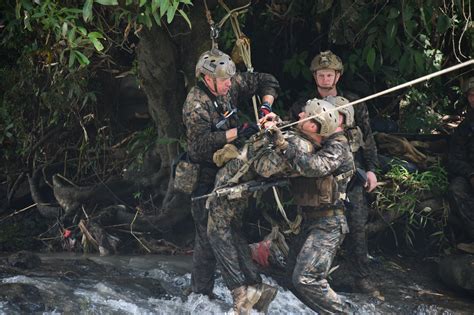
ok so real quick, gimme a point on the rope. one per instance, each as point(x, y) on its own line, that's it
point(395, 88)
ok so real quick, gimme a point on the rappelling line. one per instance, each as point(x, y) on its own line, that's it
point(395, 88)
point(243, 44)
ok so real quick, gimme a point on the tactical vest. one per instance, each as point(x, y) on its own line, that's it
point(320, 193)
point(355, 137)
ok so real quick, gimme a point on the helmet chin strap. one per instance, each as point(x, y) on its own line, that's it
point(214, 82)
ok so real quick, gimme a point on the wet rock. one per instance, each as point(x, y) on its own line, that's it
point(24, 260)
point(458, 272)
point(25, 298)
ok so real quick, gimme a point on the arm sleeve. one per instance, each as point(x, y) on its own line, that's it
point(369, 148)
point(202, 140)
point(248, 84)
point(320, 164)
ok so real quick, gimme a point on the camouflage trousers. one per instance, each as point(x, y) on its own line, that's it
point(204, 262)
point(461, 198)
point(356, 240)
point(224, 230)
point(320, 242)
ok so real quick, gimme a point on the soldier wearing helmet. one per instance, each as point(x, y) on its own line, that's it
point(211, 121)
point(327, 69)
point(317, 158)
point(461, 171)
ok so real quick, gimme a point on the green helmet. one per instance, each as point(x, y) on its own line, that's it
point(325, 114)
point(216, 64)
point(347, 111)
point(326, 60)
point(468, 85)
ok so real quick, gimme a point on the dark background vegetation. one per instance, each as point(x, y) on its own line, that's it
point(97, 87)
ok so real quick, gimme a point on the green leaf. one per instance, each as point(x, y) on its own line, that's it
point(142, 3)
point(171, 12)
point(95, 35)
point(71, 37)
point(83, 60)
point(72, 58)
point(164, 5)
point(97, 44)
point(185, 17)
point(443, 24)
point(371, 58)
point(391, 29)
point(156, 17)
point(64, 29)
point(393, 13)
point(87, 10)
point(107, 2)
point(82, 30)
point(128, 2)
point(154, 5)
point(419, 62)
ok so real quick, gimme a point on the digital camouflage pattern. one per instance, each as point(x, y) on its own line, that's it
point(225, 216)
point(186, 176)
point(461, 167)
point(322, 237)
point(315, 250)
point(225, 219)
point(201, 113)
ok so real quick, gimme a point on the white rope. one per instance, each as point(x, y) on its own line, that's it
point(395, 88)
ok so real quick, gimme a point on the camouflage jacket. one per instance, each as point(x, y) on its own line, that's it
point(461, 149)
point(333, 158)
point(202, 111)
point(367, 154)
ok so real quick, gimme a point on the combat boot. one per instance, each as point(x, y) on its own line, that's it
point(268, 294)
point(245, 297)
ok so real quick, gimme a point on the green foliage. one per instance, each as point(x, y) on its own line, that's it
point(404, 193)
point(419, 110)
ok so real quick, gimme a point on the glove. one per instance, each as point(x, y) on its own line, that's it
point(247, 130)
point(265, 108)
point(278, 139)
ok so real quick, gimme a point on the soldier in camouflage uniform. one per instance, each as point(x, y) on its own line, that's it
point(327, 68)
point(319, 151)
point(461, 167)
point(210, 121)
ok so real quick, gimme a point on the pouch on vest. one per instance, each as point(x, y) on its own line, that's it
point(355, 138)
point(186, 174)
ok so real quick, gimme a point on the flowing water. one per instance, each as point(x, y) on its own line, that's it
point(148, 284)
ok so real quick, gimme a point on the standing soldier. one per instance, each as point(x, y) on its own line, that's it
point(317, 154)
point(209, 115)
point(327, 69)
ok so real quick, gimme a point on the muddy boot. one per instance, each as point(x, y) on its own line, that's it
point(245, 297)
point(364, 285)
point(268, 293)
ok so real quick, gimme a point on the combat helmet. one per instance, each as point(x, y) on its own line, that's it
point(324, 113)
point(327, 60)
point(468, 85)
point(216, 64)
point(347, 111)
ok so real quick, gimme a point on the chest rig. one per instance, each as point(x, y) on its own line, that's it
point(224, 116)
point(320, 193)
